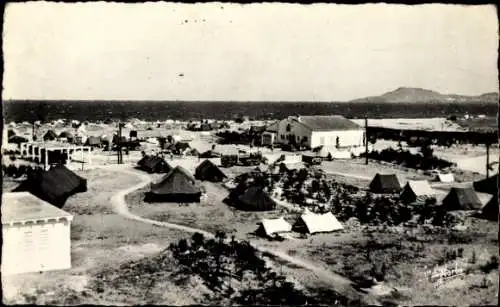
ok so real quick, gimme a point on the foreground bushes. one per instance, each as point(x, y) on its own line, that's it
point(424, 160)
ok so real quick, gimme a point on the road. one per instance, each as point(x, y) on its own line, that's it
point(341, 284)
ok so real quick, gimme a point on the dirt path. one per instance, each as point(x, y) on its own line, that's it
point(340, 283)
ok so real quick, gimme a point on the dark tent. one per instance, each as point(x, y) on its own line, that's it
point(180, 147)
point(67, 134)
point(207, 170)
point(17, 139)
point(50, 136)
point(177, 186)
point(210, 154)
point(255, 199)
point(154, 164)
point(487, 185)
point(387, 183)
point(490, 210)
point(462, 199)
point(54, 186)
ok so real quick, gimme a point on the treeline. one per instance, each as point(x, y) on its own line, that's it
point(425, 160)
point(442, 138)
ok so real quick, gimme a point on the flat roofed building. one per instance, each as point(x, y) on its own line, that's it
point(36, 235)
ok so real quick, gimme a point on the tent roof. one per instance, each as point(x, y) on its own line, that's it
point(326, 222)
point(462, 199)
point(177, 181)
point(50, 134)
point(488, 185)
point(420, 187)
point(446, 177)
point(24, 206)
point(257, 198)
point(385, 181)
point(54, 185)
point(278, 225)
point(207, 167)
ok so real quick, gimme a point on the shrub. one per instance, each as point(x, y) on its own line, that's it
point(491, 264)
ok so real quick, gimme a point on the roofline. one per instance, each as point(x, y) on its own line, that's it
point(313, 130)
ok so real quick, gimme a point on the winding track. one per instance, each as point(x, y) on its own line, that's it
point(340, 283)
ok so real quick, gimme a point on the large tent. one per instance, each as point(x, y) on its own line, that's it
point(462, 199)
point(207, 170)
point(385, 183)
point(310, 222)
point(417, 191)
point(177, 186)
point(488, 185)
point(270, 227)
point(255, 199)
point(154, 164)
point(54, 186)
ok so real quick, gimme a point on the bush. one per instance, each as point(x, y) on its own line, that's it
point(425, 160)
point(491, 264)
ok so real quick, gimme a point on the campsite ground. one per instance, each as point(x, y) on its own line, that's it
point(103, 240)
point(100, 240)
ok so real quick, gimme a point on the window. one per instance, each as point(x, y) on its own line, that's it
point(298, 138)
point(282, 136)
point(305, 138)
point(288, 128)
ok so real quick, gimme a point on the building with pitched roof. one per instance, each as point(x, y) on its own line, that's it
point(36, 235)
point(320, 130)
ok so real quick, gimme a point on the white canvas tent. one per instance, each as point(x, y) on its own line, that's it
point(273, 226)
point(314, 223)
point(445, 177)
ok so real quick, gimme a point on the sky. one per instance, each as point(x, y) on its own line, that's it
point(257, 52)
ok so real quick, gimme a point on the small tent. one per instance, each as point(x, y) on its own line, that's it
point(445, 177)
point(207, 170)
point(462, 199)
point(416, 191)
point(269, 227)
point(54, 186)
point(154, 164)
point(488, 185)
point(210, 154)
point(490, 210)
point(313, 223)
point(385, 183)
point(50, 136)
point(255, 199)
point(177, 186)
point(68, 135)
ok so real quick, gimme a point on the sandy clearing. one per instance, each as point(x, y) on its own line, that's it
point(340, 283)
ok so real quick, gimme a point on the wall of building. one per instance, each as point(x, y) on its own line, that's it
point(329, 138)
point(298, 130)
point(35, 247)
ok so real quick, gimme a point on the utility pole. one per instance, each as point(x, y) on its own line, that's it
point(366, 140)
point(487, 159)
point(119, 143)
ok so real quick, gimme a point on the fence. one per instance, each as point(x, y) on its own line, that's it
point(439, 275)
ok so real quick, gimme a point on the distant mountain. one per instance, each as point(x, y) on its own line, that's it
point(410, 94)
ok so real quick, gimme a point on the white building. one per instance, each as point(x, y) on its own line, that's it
point(36, 235)
point(315, 131)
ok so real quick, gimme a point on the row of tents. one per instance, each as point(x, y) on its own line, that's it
point(459, 198)
point(308, 222)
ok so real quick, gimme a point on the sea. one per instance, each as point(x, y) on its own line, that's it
point(92, 111)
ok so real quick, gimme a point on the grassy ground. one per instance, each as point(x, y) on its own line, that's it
point(100, 240)
point(210, 214)
point(348, 255)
